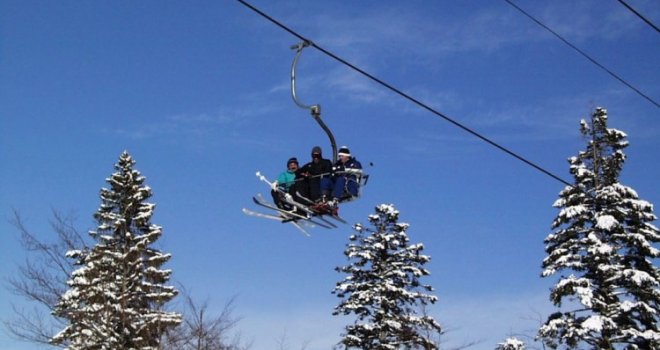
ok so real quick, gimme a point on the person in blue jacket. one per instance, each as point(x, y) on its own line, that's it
point(346, 180)
point(285, 183)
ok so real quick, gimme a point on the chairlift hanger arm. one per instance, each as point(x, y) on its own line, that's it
point(299, 47)
point(315, 110)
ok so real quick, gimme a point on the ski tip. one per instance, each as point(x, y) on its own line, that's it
point(302, 230)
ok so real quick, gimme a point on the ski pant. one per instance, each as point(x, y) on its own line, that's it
point(345, 186)
point(316, 187)
point(280, 202)
point(326, 186)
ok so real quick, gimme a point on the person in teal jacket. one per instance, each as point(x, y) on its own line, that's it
point(285, 183)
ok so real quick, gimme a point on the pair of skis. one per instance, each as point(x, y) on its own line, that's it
point(300, 215)
point(306, 208)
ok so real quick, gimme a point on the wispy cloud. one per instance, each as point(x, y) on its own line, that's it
point(413, 36)
point(489, 319)
point(203, 129)
point(420, 31)
point(580, 21)
point(552, 120)
point(181, 125)
point(417, 36)
point(355, 87)
point(433, 31)
point(312, 326)
point(485, 319)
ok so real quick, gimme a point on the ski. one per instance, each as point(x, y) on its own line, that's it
point(297, 225)
point(337, 217)
point(262, 215)
point(260, 200)
point(292, 216)
point(287, 196)
point(321, 211)
point(289, 199)
point(276, 218)
point(310, 211)
point(313, 212)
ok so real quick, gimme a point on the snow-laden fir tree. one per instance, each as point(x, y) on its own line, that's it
point(116, 297)
point(511, 344)
point(603, 250)
point(382, 287)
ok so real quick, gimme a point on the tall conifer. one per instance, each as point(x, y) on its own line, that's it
point(603, 250)
point(382, 287)
point(116, 297)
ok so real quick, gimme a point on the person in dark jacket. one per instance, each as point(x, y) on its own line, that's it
point(313, 178)
point(346, 180)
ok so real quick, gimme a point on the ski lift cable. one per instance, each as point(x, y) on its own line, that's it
point(584, 54)
point(406, 96)
point(640, 15)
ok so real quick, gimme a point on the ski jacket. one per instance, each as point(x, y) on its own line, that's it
point(350, 169)
point(286, 179)
point(324, 166)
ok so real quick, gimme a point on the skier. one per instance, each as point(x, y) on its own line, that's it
point(345, 181)
point(285, 183)
point(315, 177)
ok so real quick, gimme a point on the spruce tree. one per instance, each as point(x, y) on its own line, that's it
point(603, 249)
point(116, 297)
point(511, 344)
point(382, 287)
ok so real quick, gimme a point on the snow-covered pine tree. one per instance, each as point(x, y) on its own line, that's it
point(511, 344)
point(382, 287)
point(603, 247)
point(116, 297)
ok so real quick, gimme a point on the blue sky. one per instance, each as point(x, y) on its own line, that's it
point(199, 95)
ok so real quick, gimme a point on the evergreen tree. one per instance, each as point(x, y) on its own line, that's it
point(116, 297)
point(511, 344)
point(383, 289)
point(603, 240)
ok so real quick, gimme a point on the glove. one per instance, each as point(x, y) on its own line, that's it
point(273, 186)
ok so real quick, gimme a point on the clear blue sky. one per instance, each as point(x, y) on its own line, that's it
point(198, 94)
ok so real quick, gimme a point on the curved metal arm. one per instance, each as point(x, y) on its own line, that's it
point(299, 47)
point(315, 110)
